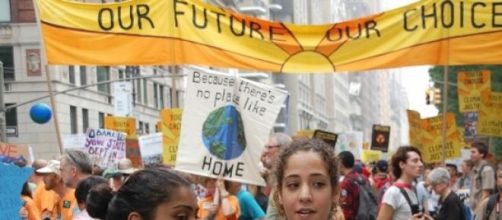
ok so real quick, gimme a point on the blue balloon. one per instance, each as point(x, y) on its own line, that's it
point(40, 113)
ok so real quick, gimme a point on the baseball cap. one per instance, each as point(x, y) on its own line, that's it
point(382, 165)
point(52, 167)
point(125, 166)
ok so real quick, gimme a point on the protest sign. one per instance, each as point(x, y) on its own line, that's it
point(489, 120)
point(74, 141)
point(350, 141)
point(432, 148)
point(150, 147)
point(121, 124)
point(226, 122)
point(416, 129)
point(133, 153)
point(472, 85)
point(12, 179)
point(14, 153)
point(170, 127)
point(177, 32)
point(122, 98)
point(369, 156)
point(105, 146)
point(380, 138)
point(328, 137)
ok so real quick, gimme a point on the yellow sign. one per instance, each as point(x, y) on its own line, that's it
point(171, 127)
point(472, 86)
point(121, 124)
point(371, 156)
point(146, 32)
point(490, 121)
point(432, 141)
point(415, 132)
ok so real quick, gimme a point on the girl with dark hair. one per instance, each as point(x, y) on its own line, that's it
point(400, 201)
point(307, 179)
point(149, 194)
point(29, 211)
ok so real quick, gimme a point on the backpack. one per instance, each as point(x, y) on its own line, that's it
point(368, 206)
point(492, 200)
point(467, 212)
point(479, 178)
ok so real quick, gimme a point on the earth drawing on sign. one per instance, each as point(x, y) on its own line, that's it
point(223, 133)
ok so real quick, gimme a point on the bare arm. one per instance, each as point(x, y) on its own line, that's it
point(386, 212)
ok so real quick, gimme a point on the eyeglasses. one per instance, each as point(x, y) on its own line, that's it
point(268, 147)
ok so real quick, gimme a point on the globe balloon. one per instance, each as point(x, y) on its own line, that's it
point(40, 113)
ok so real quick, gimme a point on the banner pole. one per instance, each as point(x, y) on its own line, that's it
point(54, 109)
point(445, 111)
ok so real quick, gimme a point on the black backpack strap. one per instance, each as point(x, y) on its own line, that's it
point(406, 196)
point(492, 201)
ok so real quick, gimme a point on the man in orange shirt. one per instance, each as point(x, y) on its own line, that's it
point(45, 200)
point(53, 181)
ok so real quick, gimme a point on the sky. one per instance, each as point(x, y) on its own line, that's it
point(415, 79)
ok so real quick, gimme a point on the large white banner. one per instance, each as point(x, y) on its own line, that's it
point(226, 122)
point(151, 149)
point(105, 147)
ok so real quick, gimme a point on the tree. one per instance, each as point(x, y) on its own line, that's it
point(436, 74)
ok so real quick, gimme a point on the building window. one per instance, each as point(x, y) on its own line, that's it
point(147, 128)
point(7, 58)
point(140, 128)
point(155, 96)
point(71, 74)
point(161, 98)
point(103, 74)
point(85, 119)
point(171, 97)
point(121, 74)
point(73, 119)
point(83, 76)
point(4, 10)
point(145, 93)
point(138, 90)
point(101, 117)
point(11, 115)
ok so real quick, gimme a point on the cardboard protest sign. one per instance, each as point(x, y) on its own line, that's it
point(10, 153)
point(380, 138)
point(350, 141)
point(74, 141)
point(170, 127)
point(472, 85)
point(12, 179)
point(133, 153)
point(489, 120)
point(105, 146)
point(432, 148)
point(150, 147)
point(226, 122)
point(121, 124)
point(369, 156)
point(328, 137)
point(416, 129)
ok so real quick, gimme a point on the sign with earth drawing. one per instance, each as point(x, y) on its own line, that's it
point(226, 122)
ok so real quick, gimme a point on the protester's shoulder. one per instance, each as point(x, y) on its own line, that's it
point(480, 210)
point(393, 190)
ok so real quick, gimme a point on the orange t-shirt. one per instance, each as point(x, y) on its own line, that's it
point(206, 204)
point(45, 200)
point(33, 211)
point(68, 204)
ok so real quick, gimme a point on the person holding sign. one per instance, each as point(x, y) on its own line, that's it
point(307, 180)
point(218, 204)
point(152, 193)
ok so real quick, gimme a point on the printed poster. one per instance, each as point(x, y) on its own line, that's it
point(226, 122)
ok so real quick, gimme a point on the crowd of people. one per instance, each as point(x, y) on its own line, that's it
point(305, 180)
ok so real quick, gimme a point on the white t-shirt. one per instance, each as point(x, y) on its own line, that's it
point(395, 199)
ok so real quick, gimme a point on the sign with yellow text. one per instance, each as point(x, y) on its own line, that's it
point(473, 85)
point(146, 32)
point(121, 124)
point(489, 120)
point(371, 156)
point(171, 124)
point(432, 147)
point(415, 128)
